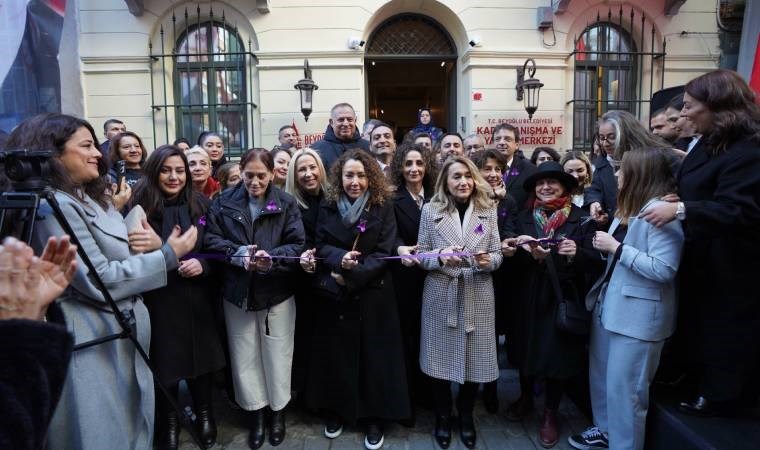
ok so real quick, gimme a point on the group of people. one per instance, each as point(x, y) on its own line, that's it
point(371, 278)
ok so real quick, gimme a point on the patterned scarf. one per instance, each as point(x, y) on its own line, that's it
point(559, 209)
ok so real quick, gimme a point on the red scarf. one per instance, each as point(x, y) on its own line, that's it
point(559, 209)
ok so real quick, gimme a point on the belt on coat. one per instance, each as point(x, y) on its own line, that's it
point(452, 301)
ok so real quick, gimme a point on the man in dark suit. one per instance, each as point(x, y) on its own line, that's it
point(506, 139)
point(341, 135)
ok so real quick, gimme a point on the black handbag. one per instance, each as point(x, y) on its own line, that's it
point(571, 316)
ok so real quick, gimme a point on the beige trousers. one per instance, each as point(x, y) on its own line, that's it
point(261, 361)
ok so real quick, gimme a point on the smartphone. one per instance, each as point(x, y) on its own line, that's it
point(121, 172)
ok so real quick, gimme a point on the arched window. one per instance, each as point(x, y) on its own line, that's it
point(210, 87)
point(606, 62)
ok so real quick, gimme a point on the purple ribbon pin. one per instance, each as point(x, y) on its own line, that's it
point(479, 229)
point(362, 226)
point(202, 221)
point(271, 206)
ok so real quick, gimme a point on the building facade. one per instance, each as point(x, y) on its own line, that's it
point(173, 68)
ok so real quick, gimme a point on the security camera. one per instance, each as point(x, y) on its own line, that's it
point(475, 41)
point(355, 43)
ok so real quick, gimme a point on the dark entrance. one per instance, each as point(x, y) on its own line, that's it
point(410, 64)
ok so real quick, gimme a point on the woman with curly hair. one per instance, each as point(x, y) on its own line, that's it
point(413, 174)
point(458, 345)
point(357, 368)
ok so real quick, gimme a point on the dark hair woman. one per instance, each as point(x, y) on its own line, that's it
point(357, 357)
point(214, 145)
point(619, 132)
point(577, 164)
point(492, 164)
point(543, 154)
point(307, 183)
point(458, 344)
point(259, 228)
point(108, 395)
point(719, 190)
point(229, 175)
point(185, 342)
point(127, 147)
point(425, 125)
point(281, 157)
point(534, 343)
point(413, 174)
point(633, 303)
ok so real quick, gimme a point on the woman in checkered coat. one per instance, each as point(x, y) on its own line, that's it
point(457, 342)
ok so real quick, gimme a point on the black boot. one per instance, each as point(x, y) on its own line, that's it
point(491, 397)
point(168, 438)
point(257, 435)
point(442, 431)
point(206, 426)
point(467, 430)
point(277, 428)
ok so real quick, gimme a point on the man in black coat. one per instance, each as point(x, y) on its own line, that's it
point(341, 135)
point(506, 138)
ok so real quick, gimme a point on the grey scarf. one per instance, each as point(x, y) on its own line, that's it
point(350, 212)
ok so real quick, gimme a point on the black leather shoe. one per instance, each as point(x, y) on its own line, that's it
point(467, 430)
point(491, 397)
point(442, 431)
point(206, 426)
point(277, 428)
point(519, 409)
point(257, 434)
point(700, 406)
point(168, 439)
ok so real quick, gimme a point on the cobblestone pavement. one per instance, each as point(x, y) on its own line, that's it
point(305, 430)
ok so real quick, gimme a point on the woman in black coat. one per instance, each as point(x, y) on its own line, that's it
point(719, 190)
point(413, 173)
point(534, 343)
point(492, 164)
point(258, 227)
point(185, 342)
point(357, 370)
point(306, 182)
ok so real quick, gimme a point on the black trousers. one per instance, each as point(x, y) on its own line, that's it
point(442, 400)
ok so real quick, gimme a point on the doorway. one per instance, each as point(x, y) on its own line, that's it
point(411, 63)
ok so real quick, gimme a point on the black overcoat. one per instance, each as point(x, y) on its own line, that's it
point(603, 187)
point(515, 177)
point(184, 340)
point(720, 308)
point(534, 343)
point(357, 359)
point(506, 213)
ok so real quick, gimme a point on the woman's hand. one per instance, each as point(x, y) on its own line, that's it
point(482, 260)
point(350, 260)
point(182, 243)
point(29, 284)
point(598, 214)
point(509, 247)
point(144, 240)
point(605, 243)
point(500, 191)
point(406, 250)
point(120, 199)
point(567, 247)
point(532, 246)
point(307, 261)
point(338, 278)
point(262, 261)
point(451, 261)
point(660, 214)
point(190, 268)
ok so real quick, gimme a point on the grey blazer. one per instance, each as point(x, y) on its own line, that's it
point(108, 396)
point(640, 299)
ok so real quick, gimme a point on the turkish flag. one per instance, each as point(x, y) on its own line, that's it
point(754, 79)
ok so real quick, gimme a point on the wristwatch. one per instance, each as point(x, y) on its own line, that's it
point(681, 211)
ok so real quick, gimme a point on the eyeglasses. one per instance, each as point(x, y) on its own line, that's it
point(609, 138)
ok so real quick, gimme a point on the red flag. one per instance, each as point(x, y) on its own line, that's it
point(580, 46)
point(754, 79)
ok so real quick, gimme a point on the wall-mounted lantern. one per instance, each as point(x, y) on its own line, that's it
point(306, 88)
point(528, 90)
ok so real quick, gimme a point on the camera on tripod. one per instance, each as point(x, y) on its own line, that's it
point(27, 169)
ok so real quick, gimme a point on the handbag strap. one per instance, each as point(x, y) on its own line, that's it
point(554, 277)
